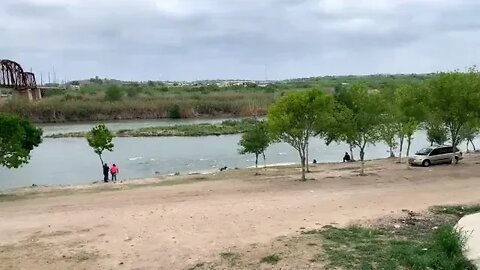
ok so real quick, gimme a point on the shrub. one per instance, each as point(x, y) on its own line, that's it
point(174, 112)
point(113, 93)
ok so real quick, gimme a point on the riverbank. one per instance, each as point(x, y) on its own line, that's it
point(81, 106)
point(227, 127)
point(187, 222)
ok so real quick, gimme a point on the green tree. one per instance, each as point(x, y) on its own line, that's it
point(388, 132)
point(359, 116)
point(255, 141)
point(297, 116)
point(100, 139)
point(436, 133)
point(409, 111)
point(454, 101)
point(113, 93)
point(468, 133)
point(18, 137)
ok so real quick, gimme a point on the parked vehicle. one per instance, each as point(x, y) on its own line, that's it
point(435, 155)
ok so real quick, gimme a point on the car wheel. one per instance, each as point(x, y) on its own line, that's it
point(426, 163)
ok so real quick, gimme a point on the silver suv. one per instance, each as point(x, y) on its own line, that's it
point(435, 155)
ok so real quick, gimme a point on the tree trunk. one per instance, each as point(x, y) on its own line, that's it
point(362, 159)
point(101, 160)
point(473, 145)
point(256, 161)
point(454, 144)
point(409, 141)
point(351, 153)
point(306, 156)
point(264, 160)
point(302, 162)
point(468, 142)
point(392, 154)
point(401, 150)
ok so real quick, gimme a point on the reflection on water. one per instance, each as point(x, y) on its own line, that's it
point(72, 161)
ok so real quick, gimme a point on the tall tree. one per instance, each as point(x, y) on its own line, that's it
point(454, 101)
point(469, 132)
point(255, 141)
point(410, 112)
point(298, 116)
point(100, 139)
point(360, 115)
point(388, 133)
point(18, 137)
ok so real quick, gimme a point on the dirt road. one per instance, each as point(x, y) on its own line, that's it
point(175, 227)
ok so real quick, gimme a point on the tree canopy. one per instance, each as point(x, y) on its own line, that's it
point(298, 116)
point(18, 137)
point(359, 118)
point(454, 101)
point(100, 139)
point(255, 141)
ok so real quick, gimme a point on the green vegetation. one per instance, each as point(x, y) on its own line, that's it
point(255, 141)
point(364, 248)
point(359, 118)
point(225, 128)
point(454, 101)
point(425, 242)
point(297, 117)
point(412, 241)
point(271, 259)
point(100, 139)
point(17, 139)
point(100, 100)
point(456, 210)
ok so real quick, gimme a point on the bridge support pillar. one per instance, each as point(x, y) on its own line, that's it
point(25, 94)
point(36, 94)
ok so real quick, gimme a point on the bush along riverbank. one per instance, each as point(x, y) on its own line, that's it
point(225, 128)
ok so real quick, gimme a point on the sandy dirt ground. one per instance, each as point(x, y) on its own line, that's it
point(156, 225)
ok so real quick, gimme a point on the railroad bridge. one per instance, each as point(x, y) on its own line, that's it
point(22, 83)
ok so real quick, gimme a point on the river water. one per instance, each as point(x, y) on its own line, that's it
point(71, 161)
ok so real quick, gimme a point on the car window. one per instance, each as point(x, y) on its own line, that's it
point(424, 151)
point(435, 152)
point(446, 150)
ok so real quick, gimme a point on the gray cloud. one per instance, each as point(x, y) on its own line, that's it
point(191, 39)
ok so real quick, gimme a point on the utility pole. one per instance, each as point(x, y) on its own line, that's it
point(41, 78)
point(54, 75)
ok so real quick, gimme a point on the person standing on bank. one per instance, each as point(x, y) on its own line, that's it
point(105, 173)
point(114, 171)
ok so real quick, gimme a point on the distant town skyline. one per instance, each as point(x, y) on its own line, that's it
point(189, 40)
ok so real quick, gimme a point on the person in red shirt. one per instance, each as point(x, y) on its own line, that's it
point(114, 171)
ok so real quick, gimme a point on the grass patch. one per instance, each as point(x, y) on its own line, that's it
point(371, 248)
point(9, 197)
point(228, 255)
point(456, 210)
point(271, 259)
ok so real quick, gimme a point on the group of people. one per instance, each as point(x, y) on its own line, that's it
point(346, 158)
point(112, 170)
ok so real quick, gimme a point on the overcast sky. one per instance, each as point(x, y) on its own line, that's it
point(221, 39)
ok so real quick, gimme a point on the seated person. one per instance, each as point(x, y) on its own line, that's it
point(346, 158)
